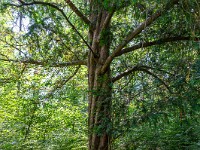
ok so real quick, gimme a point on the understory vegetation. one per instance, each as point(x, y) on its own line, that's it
point(99, 75)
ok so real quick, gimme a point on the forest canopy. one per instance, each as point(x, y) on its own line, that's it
point(99, 74)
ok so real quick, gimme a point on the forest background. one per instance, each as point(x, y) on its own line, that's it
point(99, 74)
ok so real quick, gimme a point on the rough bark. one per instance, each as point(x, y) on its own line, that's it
point(99, 84)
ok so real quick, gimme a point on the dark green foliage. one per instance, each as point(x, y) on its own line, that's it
point(154, 108)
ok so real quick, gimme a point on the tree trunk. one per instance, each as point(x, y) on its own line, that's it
point(99, 108)
point(99, 112)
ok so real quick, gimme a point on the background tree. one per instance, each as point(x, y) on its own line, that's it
point(134, 53)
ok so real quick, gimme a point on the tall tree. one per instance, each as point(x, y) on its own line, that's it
point(111, 38)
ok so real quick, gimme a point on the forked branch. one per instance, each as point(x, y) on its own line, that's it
point(137, 31)
point(63, 14)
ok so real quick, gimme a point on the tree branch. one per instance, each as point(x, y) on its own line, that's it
point(140, 68)
point(14, 78)
point(46, 63)
point(61, 83)
point(64, 15)
point(13, 46)
point(78, 13)
point(155, 76)
point(108, 19)
point(127, 72)
point(137, 31)
point(157, 42)
point(137, 68)
point(158, 69)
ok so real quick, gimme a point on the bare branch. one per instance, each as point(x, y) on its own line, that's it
point(64, 15)
point(78, 13)
point(46, 63)
point(157, 42)
point(137, 31)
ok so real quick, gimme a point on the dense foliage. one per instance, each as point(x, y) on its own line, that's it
point(155, 77)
